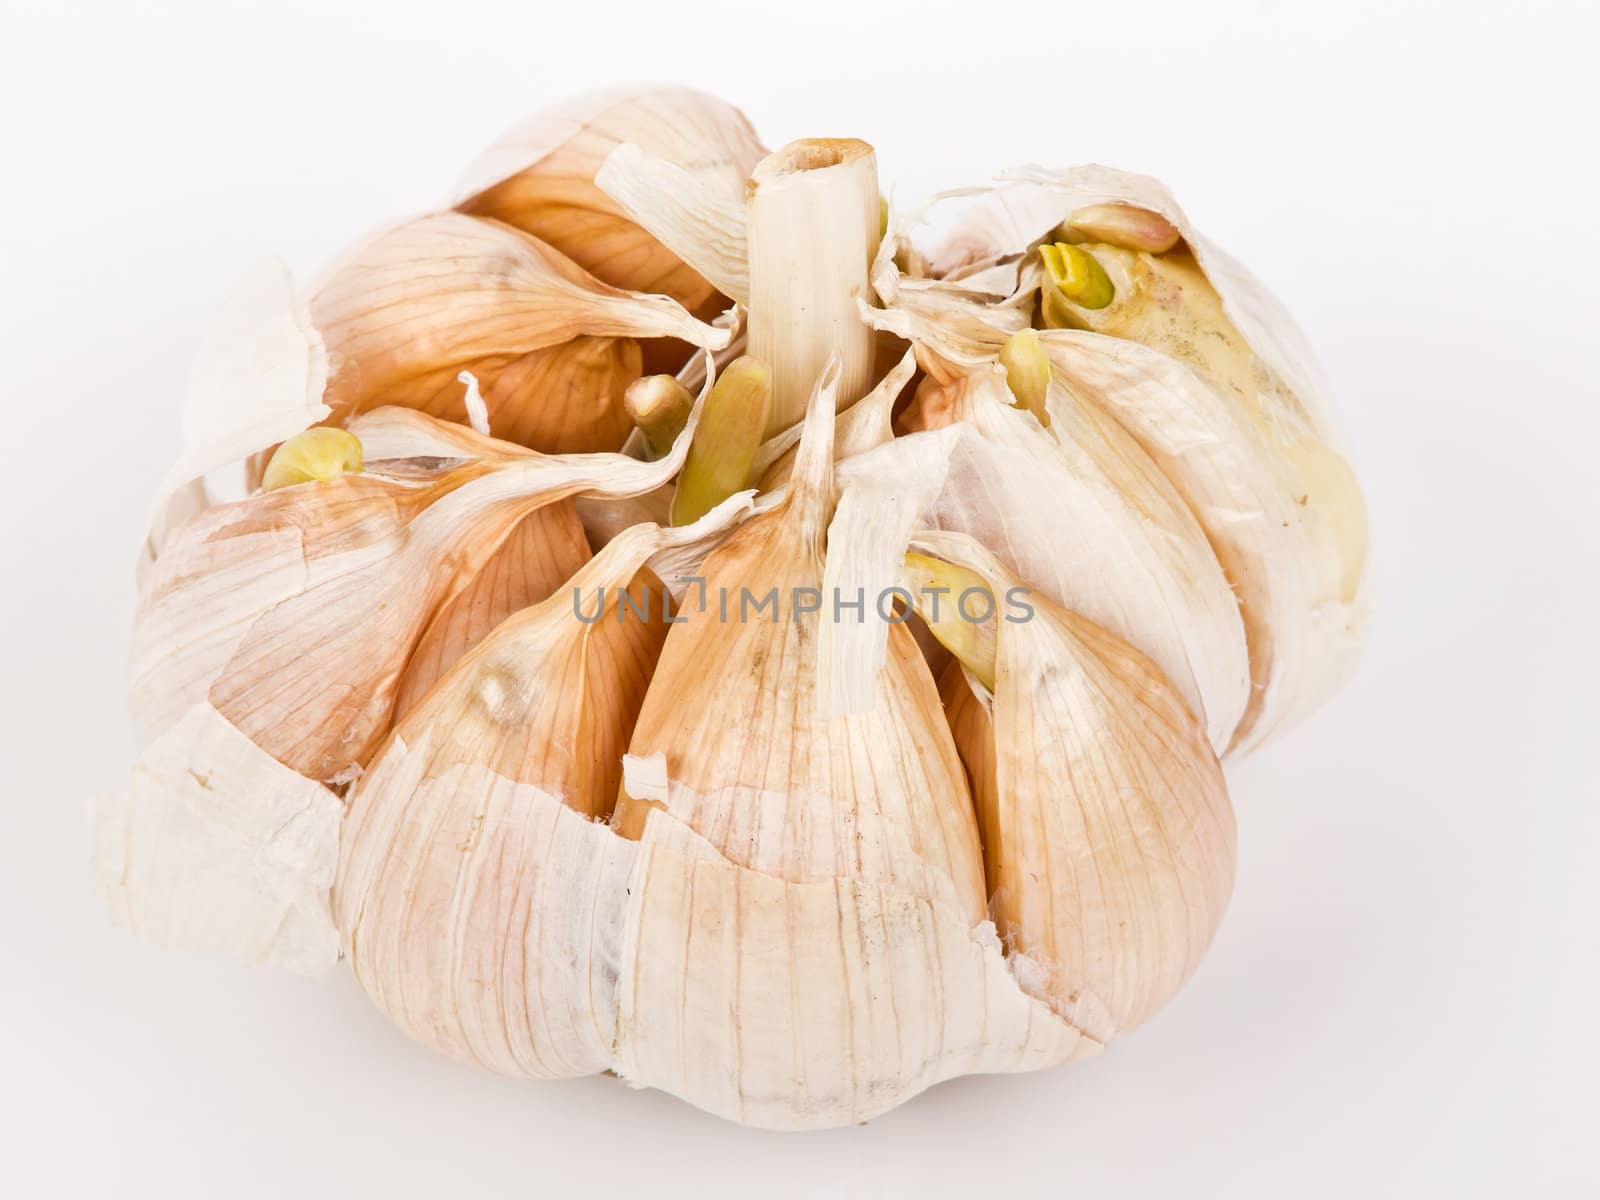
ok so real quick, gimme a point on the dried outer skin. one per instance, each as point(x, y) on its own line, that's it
point(1108, 836)
point(295, 612)
point(792, 1005)
point(235, 567)
point(257, 379)
point(215, 848)
point(539, 177)
point(861, 427)
point(552, 346)
point(313, 678)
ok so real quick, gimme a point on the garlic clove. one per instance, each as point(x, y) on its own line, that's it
point(540, 177)
point(318, 602)
point(1286, 521)
point(805, 942)
point(659, 406)
point(1082, 513)
point(1027, 368)
point(725, 445)
point(539, 554)
point(1108, 836)
point(1164, 302)
point(958, 608)
point(757, 771)
point(470, 894)
point(994, 232)
point(536, 558)
point(1074, 280)
point(1122, 225)
point(788, 1005)
point(550, 345)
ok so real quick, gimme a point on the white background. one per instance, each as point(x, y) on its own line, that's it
point(1402, 1001)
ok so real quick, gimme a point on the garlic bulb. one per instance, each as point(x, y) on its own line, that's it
point(789, 728)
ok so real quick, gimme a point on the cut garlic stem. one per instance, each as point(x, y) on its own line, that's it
point(959, 609)
point(726, 439)
point(1027, 372)
point(813, 228)
point(659, 405)
point(316, 454)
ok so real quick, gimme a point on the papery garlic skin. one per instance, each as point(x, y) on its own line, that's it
point(468, 888)
point(757, 770)
point(309, 608)
point(1084, 515)
point(552, 347)
point(539, 176)
point(1226, 399)
point(1294, 555)
point(790, 1005)
point(217, 848)
point(807, 942)
point(257, 378)
point(295, 612)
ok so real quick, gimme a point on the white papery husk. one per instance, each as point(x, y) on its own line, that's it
point(540, 175)
point(257, 378)
point(1272, 490)
point(218, 849)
